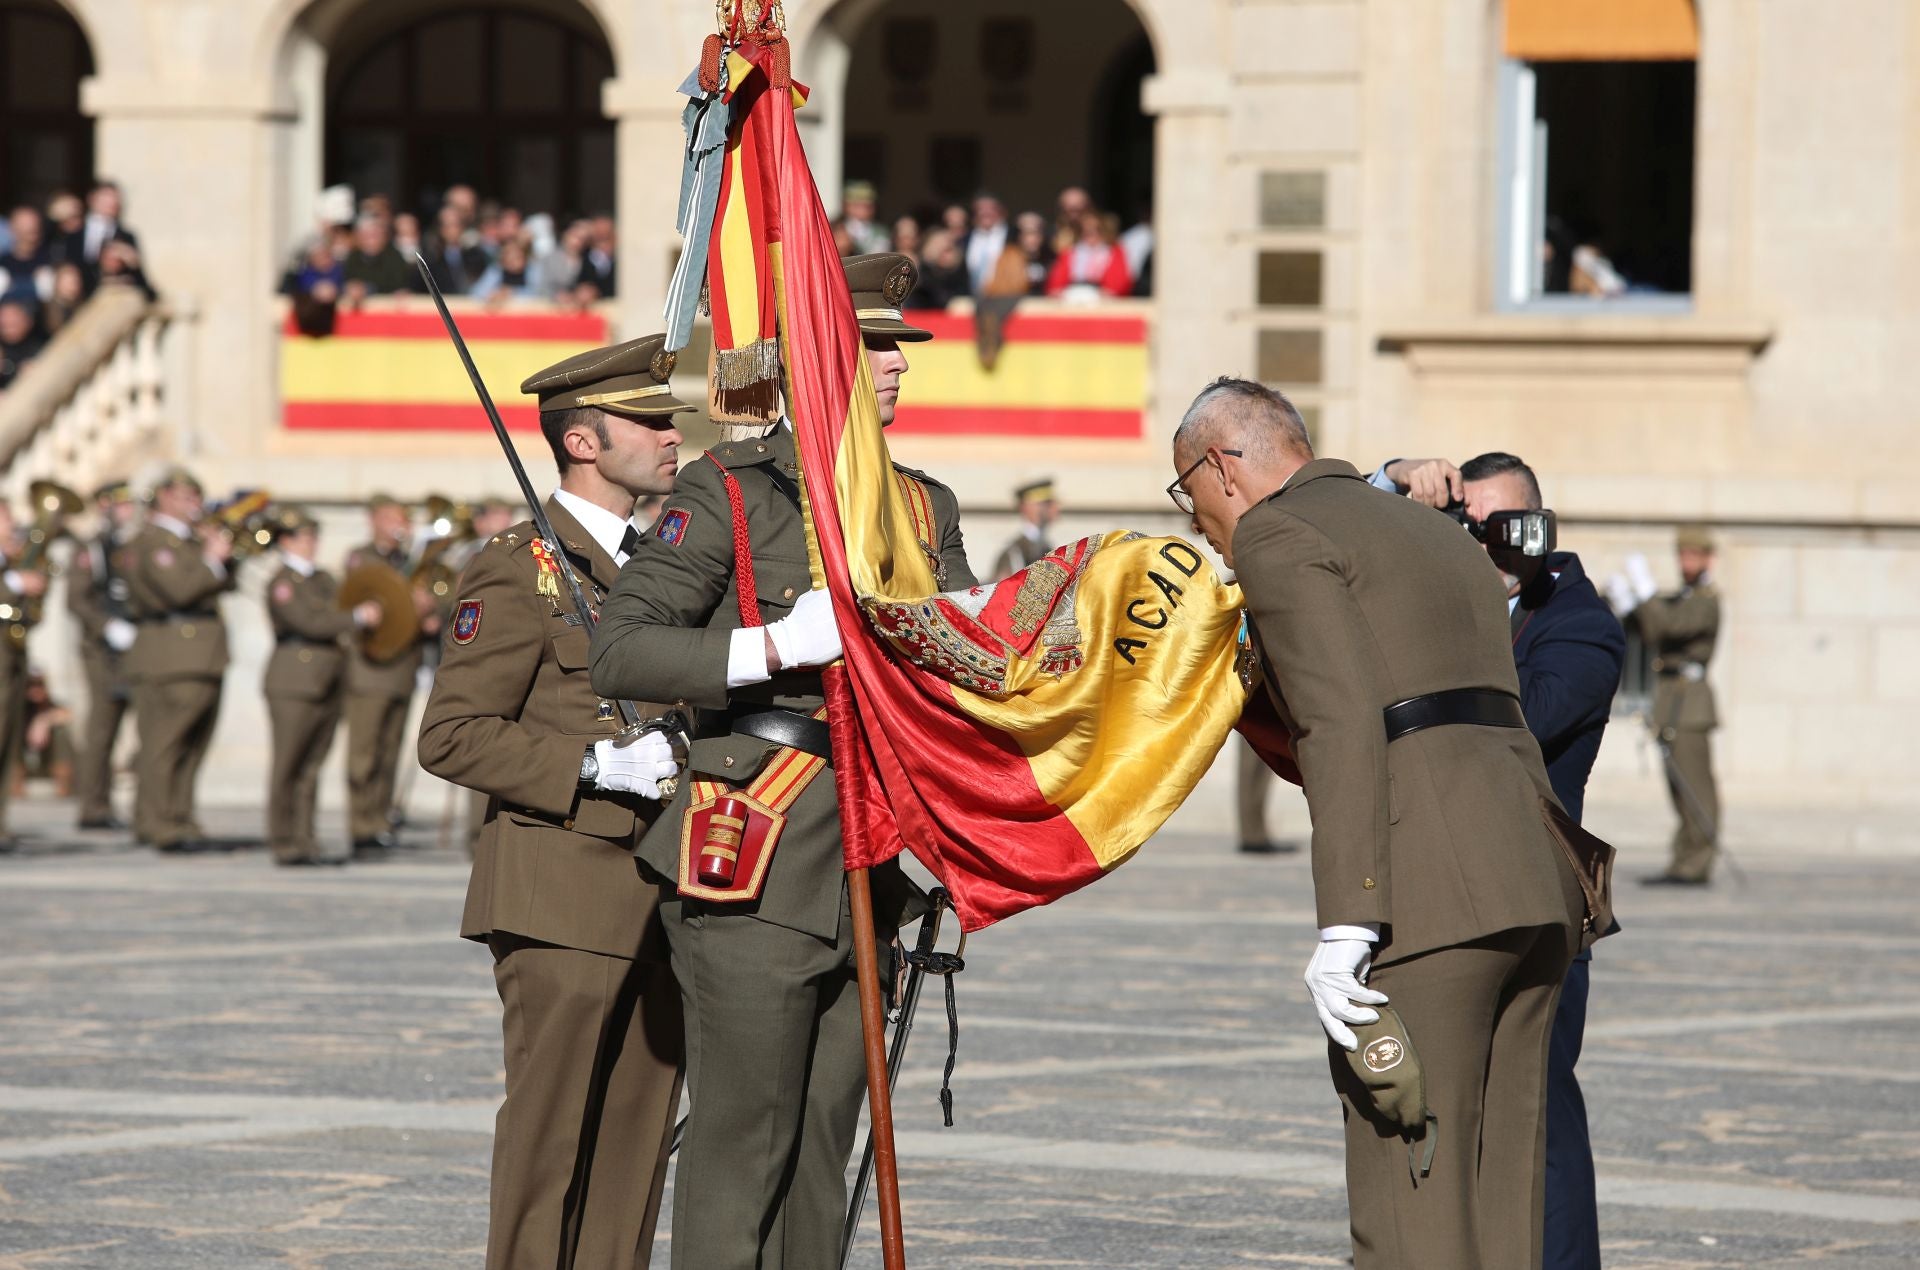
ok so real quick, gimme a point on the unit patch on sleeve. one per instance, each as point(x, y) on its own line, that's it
point(283, 592)
point(466, 621)
point(673, 525)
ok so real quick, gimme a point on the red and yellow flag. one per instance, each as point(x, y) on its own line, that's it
point(1023, 738)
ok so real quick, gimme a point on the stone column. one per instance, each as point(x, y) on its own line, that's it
point(649, 150)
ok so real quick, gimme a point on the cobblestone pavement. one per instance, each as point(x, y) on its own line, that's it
point(210, 1063)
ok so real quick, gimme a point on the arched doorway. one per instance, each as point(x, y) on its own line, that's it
point(504, 99)
point(48, 143)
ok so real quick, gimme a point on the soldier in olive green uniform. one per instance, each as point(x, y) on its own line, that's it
point(97, 598)
point(1681, 629)
point(592, 1015)
point(1039, 507)
point(175, 577)
point(17, 586)
point(380, 693)
point(774, 1058)
point(304, 681)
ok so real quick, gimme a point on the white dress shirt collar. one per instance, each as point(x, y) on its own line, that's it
point(178, 528)
point(302, 567)
point(606, 528)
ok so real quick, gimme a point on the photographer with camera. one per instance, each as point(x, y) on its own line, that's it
point(1568, 649)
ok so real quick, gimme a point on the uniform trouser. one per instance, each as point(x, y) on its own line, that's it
point(1256, 779)
point(1699, 814)
point(1479, 1016)
point(1571, 1231)
point(175, 718)
point(376, 730)
point(13, 723)
point(593, 1085)
point(302, 734)
point(106, 711)
point(777, 1073)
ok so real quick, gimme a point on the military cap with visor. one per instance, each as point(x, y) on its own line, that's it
point(880, 282)
point(627, 379)
point(1694, 538)
point(172, 476)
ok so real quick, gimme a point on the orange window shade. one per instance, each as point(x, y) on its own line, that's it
point(1602, 30)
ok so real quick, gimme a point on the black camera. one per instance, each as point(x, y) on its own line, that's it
point(1525, 533)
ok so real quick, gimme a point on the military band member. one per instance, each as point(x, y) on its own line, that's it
point(1039, 507)
point(17, 587)
point(1681, 629)
point(592, 1017)
point(176, 571)
point(774, 1058)
point(97, 598)
point(306, 676)
point(380, 693)
point(1437, 882)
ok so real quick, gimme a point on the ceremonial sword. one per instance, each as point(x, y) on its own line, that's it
point(673, 724)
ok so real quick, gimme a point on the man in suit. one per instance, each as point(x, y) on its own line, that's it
point(592, 1016)
point(1039, 507)
point(454, 257)
point(774, 1057)
point(18, 588)
point(176, 571)
point(380, 693)
point(1568, 649)
point(1437, 882)
point(304, 680)
point(97, 598)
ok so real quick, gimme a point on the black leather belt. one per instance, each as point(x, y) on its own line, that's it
point(1479, 706)
point(785, 727)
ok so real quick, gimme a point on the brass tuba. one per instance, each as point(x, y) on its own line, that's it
point(247, 519)
point(52, 503)
point(452, 525)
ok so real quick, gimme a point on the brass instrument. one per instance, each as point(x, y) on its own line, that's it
point(452, 524)
point(247, 519)
point(52, 503)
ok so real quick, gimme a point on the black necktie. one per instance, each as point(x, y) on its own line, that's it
point(630, 541)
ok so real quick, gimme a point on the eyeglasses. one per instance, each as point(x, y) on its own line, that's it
point(1178, 490)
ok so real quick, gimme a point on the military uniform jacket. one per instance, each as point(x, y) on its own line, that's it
point(668, 628)
point(1360, 599)
point(366, 678)
point(91, 581)
point(1018, 554)
point(13, 619)
point(308, 660)
point(1682, 629)
point(511, 715)
point(174, 594)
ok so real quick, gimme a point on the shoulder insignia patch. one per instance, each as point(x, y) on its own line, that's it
point(164, 557)
point(282, 591)
point(466, 621)
point(672, 528)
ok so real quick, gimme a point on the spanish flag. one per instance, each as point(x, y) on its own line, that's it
point(1021, 739)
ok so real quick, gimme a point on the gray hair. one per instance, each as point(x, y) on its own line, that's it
point(1260, 419)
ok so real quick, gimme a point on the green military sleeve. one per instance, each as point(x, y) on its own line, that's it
point(83, 596)
point(953, 545)
point(185, 579)
point(470, 733)
point(652, 643)
point(303, 612)
point(1676, 618)
point(1318, 645)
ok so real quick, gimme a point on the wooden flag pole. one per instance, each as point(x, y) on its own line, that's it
point(873, 1027)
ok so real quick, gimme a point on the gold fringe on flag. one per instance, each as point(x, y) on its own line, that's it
point(743, 384)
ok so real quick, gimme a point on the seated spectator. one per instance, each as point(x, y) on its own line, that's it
point(46, 749)
point(26, 269)
point(374, 267)
point(20, 338)
point(558, 271)
point(943, 273)
point(599, 270)
point(1095, 265)
point(510, 277)
point(1036, 247)
point(456, 263)
point(69, 293)
point(857, 211)
point(316, 287)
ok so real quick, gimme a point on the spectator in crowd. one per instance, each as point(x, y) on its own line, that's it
point(69, 293)
point(456, 263)
point(511, 277)
point(67, 228)
point(120, 266)
point(373, 266)
point(1095, 265)
point(406, 236)
point(316, 287)
point(104, 207)
point(26, 269)
point(907, 238)
point(857, 210)
point(955, 221)
point(842, 238)
point(466, 207)
point(20, 338)
point(943, 273)
point(1137, 245)
point(987, 241)
point(1068, 210)
point(1036, 248)
point(559, 270)
point(46, 745)
point(598, 271)
point(538, 233)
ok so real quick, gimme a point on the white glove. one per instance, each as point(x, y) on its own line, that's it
point(119, 634)
point(1335, 979)
point(1620, 595)
point(1640, 577)
point(808, 636)
point(635, 765)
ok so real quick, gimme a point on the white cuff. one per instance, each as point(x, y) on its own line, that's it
point(219, 567)
point(1380, 480)
point(747, 657)
point(1370, 932)
point(13, 580)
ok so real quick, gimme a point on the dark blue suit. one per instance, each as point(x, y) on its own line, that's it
point(1568, 648)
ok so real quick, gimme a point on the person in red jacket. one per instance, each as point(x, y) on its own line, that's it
point(1095, 260)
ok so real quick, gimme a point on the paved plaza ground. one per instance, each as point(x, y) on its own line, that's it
point(208, 1062)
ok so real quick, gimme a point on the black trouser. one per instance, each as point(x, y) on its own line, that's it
point(1572, 1231)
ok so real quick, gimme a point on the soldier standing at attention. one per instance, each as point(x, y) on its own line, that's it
point(1039, 508)
point(175, 572)
point(491, 517)
point(97, 598)
point(380, 694)
point(17, 586)
point(303, 686)
point(1681, 629)
point(592, 1017)
point(1433, 863)
point(774, 1057)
